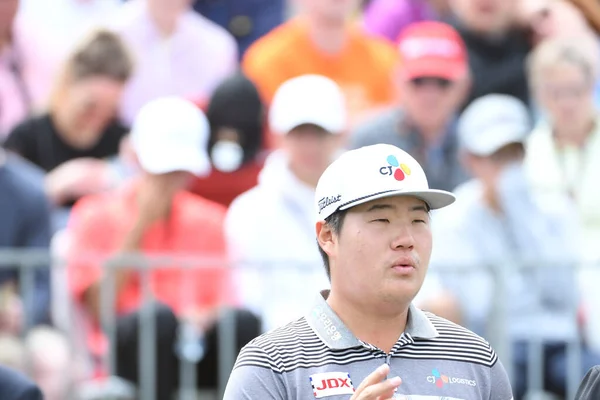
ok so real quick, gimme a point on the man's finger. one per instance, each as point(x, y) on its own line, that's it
point(381, 390)
point(375, 377)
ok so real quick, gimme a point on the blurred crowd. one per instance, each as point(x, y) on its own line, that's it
point(200, 128)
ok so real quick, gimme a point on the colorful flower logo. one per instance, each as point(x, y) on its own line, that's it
point(440, 379)
point(398, 170)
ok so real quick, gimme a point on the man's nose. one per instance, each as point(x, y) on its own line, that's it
point(403, 239)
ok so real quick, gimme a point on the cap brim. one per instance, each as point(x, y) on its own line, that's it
point(435, 68)
point(333, 128)
point(434, 198)
point(192, 161)
point(498, 139)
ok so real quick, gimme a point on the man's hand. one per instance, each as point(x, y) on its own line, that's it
point(374, 387)
point(76, 178)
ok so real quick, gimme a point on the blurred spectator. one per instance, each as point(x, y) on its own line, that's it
point(154, 215)
point(79, 129)
point(16, 386)
point(15, 102)
point(496, 45)
point(50, 362)
point(270, 230)
point(24, 224)
point(322, 40)
point(246, 20)
point(563, 156)
point(552, 18)
point(388, 18)
point(236, 117)
point(433, 78)
point(12, 352)
point(177, 52)
point(48, 32)
point(498, 227)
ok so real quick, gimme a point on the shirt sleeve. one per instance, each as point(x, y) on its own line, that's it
point(38, 234)
point(500, 388)
point(89, 231)
point(20, 140)
point(253, 378)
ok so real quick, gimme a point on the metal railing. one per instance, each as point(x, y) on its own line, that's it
point(28, 260)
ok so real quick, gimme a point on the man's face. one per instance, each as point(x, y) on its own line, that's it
point(487, 169)
point(566, 93)
point(8, 10)
point(167, 10)
point(310, 150)
point(332, 10)
point(432, 101)
point(487, 16)
point(382, 253)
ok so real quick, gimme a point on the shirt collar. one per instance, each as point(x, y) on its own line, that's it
point(332, 331)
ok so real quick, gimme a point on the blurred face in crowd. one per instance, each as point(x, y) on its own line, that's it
point(8, 10)
point(566, 92)
point(488, 169)
point(431, 102)
point(87, 106)
point(310, 150)
point(166, 13)
point(549, 18)
point(382, 251)
point(486, 16)
point(331, 10)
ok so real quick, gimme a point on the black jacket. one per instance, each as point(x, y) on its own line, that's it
point(497, 65)
point(590, 386)
point(16, 386)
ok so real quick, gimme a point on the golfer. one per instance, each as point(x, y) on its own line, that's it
point(364, 339)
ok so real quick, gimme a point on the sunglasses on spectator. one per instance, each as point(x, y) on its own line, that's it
point(427, 81)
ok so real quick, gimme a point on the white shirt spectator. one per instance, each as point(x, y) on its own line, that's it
point(271, 235)
point(190, 63)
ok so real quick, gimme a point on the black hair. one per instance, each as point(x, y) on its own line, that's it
point(335, 222)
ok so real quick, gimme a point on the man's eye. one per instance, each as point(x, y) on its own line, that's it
point(381, 220)
point(419, 221)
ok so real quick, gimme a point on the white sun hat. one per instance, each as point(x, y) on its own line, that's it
point(374, 172)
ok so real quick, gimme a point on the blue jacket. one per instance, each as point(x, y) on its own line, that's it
point(15, 386)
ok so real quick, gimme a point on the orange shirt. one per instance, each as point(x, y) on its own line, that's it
point(99, 224)
point(363, 69)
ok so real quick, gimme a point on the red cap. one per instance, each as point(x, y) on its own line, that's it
point(432, 49)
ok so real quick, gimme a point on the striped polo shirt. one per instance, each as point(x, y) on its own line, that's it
point(317, 356)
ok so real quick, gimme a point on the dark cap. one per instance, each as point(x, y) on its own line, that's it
point(236, 105)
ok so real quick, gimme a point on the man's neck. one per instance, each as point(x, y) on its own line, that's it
point(329, 36)
point(305, 178)
point(573, 135)
point(379, 329)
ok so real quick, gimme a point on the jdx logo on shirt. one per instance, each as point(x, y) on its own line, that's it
point(331, 384)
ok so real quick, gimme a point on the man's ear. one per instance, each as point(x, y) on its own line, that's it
point(325, 237)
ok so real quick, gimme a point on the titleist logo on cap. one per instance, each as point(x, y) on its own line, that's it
point(327, 201)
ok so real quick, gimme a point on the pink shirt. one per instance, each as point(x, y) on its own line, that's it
point(48, 31)
point(13, 92)
point(190, 63)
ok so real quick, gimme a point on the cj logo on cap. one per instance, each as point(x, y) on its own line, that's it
point(394, 168)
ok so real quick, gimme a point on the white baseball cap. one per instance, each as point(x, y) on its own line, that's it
point(492, 122)
point(171, 134)
point(374, 172)
point(308, 99)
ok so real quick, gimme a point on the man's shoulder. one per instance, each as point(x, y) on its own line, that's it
point(380, 127)
point(274, 46)
point(456, 343)
point(14, 385)
point(283, 349)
